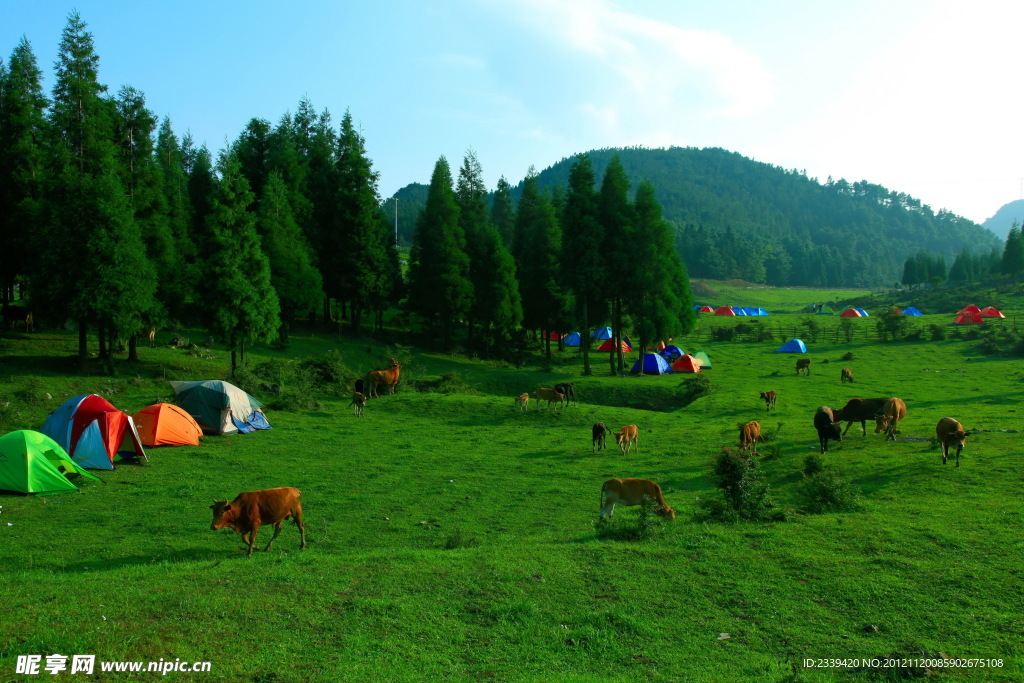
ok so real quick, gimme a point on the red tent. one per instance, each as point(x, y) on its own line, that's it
point(850, 313)
point(706, 309)
point(724, 310)
point(553, 336)
point(968, 319)
point(686, 363)
point(896, 310)
point(969, 309)
point(991, 312)
point(607, 346)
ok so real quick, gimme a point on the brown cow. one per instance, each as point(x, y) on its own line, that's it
point(749, 434)
point(598, 433)
point(825, 423)
point(769, 398)
point(359, 401)
point(388, 378)
point(630, 492)
point(251, 509)
point(523, 401)
point(846, 375)
point(627, 437)
point(151, 336)
point(17, 314)
point(803, 364)
point(860, 410)
point(551, 396)
point(950, 433)
point(892, 412)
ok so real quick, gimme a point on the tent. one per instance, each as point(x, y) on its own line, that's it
point(792, 346)
point(165, 424)
point(969, 309)
point(910, 310)
point(760, 311)
point(991, 312)
point(653, 365)
point(686, 364)
point(608, 346)
point(863, 313)
point(671, 352)
point(602, 333)
point(724, 310)
point(31, 462)
point(93, 431)
point(850, 313)
point(706, 309)
point(661, 345)
point(896, 310)
point(826, 310)
point(553, 336)
point(968, 319)
point(572, 339)
point(738, 310)
point(220, 407)
point(705, 362)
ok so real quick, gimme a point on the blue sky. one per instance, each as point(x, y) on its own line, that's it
point(921, 96)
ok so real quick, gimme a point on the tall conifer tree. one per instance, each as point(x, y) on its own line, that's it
point(584, 266)
point(616, 215)
point(503, 211)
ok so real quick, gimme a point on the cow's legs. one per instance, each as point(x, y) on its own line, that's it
point(277, 530)
point(252, 537)
point(297, 516)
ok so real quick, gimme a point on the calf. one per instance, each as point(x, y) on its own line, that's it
point(359, 401)
point(523, 402)
point(825, 423)
point(251, 509)
point(749, 434)
point(803, 364)
point(627, 437)
point(567, 389)
point(769, 399)
point(892, 412)
point(630, 492)
point(151, 336)
point(846, 375)
point(599, 432)
point(550, 395)
point(860, 410)
point(950, 433)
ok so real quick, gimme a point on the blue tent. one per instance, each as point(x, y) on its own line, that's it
point(792, 346)
point(602, 333)
point(571, 339)
point(738, 310)
point(671, 352)
point(863, 313)
point(696, 307)
point(911, 311)
point(653, 365)
point(761, 311)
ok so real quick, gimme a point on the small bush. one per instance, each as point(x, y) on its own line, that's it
point(649, 525)
point(813, 464)
point(747, 497)
point(457, 539)
point(827, 491)
point(937, 332)
point(847, 356)
point(692, 389)
point(723, 334)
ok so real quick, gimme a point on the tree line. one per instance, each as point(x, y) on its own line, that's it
point(924, 268)
point(111, 221)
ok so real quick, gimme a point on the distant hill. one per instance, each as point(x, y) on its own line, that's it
point(739, 218)
point(1005, 217)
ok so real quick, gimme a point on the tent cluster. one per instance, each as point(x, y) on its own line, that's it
point(662, 363)
point(972, 315)
point(732, 310)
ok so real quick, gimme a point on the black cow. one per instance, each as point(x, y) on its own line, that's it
point(825, 423)
point(568, 389)
point(860, 410)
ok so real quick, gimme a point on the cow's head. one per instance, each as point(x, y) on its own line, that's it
point(835, 431)
point(959, 435)
point(881, 423)
point(666, 511)
point(395, 363)
point(223, 514)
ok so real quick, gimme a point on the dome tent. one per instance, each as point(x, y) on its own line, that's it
point(165, 424)
point(671, 352)
point(608, 346)
point(792, 346)
point(92, 431)
point(653, 365)
point(850, 313)
point(686, 364)
point(602, 333)
point(968, 319)
point(706, 309)
point(724, 310)
point(910, 310)
point(31, 462)
point(705, 362)
point(220, 407)
point(863, 313)
point(991, 312)
point(572, 339)
point(826, 310)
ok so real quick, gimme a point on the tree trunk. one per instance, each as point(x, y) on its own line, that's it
point(133, 348)
point(618, 335)
point(585, 341)
point(640, 340)
point(83, 341)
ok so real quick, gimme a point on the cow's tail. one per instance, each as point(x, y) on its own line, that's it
point(600, 499)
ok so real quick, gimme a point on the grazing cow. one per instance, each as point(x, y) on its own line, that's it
point(860, 410)
point(950, 433)
point(523, 401)
point(17, 314)
point(359, 384)
point(892, 412)
point(599, 432)
point(749, 434)
point(803, 364)
point(630, 492)
point(846, 375)
point(569, 390)
point(388, 378)
point(151, 336)
point(551, 396)
point(359, 401)
point(828, 428)
point(627, 437)
point(251, 509)
point(769, 399)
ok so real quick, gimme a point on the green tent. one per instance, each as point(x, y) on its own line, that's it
point(826, 310)
point(31, 462)
point(220, 407)
point(705, 362)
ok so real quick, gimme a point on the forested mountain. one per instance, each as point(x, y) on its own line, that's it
point(1005, 217)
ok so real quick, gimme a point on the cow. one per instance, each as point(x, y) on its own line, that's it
point(17, 314)
point(749, 434)
point(359, 401)
point(769, 398)
point(892, 412)
point(359, 386)
point(599, 432)
point(568, 389)
point(803, 364)
point(630, 492)
point(846, 375)
point(523, 401)
point(627, 438)
point(151, 336)
point(860, 410)
point(950, 433)
point(550, 395)
point(251, 509)
point(388, 378)
point(828, 428)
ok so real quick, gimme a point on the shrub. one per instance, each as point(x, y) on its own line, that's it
point(448, 383)
point(813, 464)
point(723, 334)
point(847, 356)
point(827, 491)
point(937, 332)
point(692, 389)
point(747, 497)
point(811, 328)
point(648, 525)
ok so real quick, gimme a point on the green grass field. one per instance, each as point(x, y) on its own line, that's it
point(454, 538)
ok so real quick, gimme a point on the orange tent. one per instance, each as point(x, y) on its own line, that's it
point(991, 312)
point(165, 424)
point(706, 309)
point(686, 363)
point(608, 346)
point(896, 310)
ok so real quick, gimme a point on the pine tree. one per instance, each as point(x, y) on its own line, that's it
point(243, 306)
point(583, 263)
point(1012, 263)
point(616, 216)
point(176, 285)
point(439, 287)
point(503, 211)
point(470, 194)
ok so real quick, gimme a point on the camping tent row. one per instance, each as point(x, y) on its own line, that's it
point(854, 313)
point(972, 315)
point(733, 310)
point(574, 339)
point(31, 462)
point(656, 364)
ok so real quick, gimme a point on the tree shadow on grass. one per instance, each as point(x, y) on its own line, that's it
point(117, 563)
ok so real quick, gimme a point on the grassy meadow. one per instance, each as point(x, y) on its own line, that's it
point(451, 537)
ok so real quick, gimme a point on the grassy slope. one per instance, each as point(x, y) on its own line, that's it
point(130, 570)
